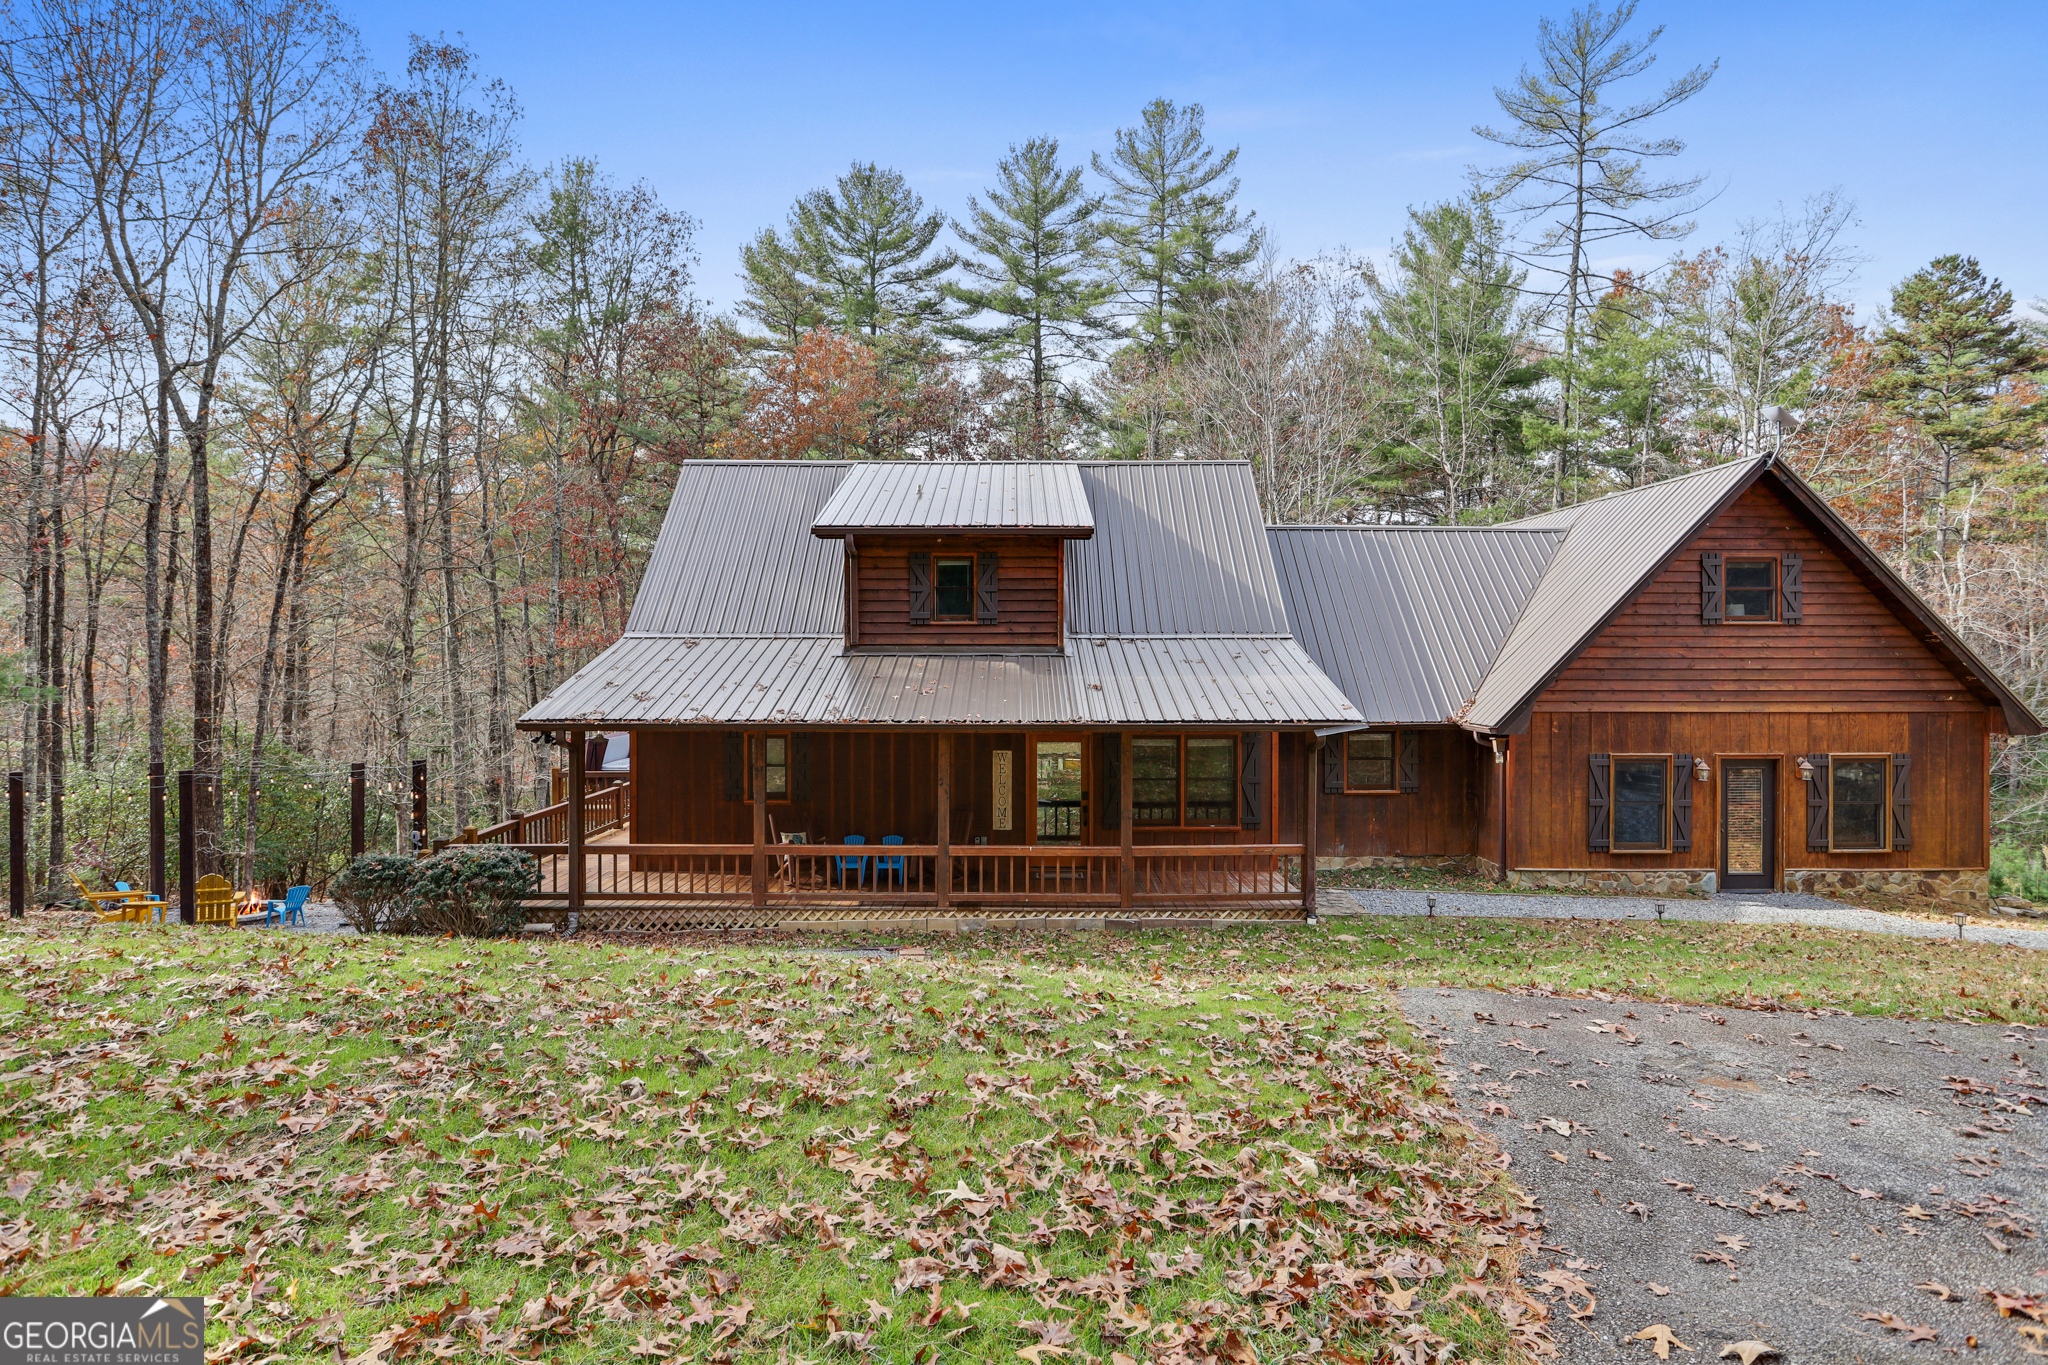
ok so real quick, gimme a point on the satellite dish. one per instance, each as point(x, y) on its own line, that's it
point(1771, 415)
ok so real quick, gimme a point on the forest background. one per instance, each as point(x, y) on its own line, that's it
point(338, 433)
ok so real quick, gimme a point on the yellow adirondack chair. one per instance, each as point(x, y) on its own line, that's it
point(101, 899)
point(217, 901)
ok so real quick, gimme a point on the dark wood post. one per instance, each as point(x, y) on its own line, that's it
point(1312, 752)
point(419, 806)
point(357, 781)
point(17, 847)
point(757, 780)
point(942, 866)
point(156, 830)
point(575, 860)
point(1127, 863)
point(188, 854)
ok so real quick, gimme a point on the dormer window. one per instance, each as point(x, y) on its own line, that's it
point(952, 587)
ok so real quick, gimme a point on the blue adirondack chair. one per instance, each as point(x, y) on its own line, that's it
point(895, 864)
point(156, 907)
point(290, 910)
point(857, 866)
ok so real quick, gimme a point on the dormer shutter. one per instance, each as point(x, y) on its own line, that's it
point(1791, 589)
point(920, 589)
point(1711, 610)
point(985, 588)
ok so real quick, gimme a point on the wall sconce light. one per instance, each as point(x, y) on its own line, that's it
point(1805, 771)
point(1700, 769)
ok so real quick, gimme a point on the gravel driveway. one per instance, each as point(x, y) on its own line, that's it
point(1785, 1178)
point(1773, 908)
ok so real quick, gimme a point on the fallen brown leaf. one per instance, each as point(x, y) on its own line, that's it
point(1660, 1339)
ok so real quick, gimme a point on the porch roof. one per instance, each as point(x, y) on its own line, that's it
point(660, 680)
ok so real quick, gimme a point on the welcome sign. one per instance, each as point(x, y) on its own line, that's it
point(102, 1331)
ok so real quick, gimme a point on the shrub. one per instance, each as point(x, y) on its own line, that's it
point(372, 890)
point(470, 889)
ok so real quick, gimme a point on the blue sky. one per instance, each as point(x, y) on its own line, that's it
point(1927, 116)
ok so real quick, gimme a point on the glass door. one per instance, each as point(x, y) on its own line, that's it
point(1059, 786)
point(1749, 824)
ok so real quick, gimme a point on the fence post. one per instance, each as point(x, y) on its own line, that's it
point(575, 820)
point(419, 805)
point(358, 775)
point(17, 847)
point(156, 830)
point(188, 875)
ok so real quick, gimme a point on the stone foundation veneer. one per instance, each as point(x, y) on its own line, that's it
point(1437, 862)
point(1959, 886)
point(1624, 881)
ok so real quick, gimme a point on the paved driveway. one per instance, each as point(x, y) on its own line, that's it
point(1781, 1177)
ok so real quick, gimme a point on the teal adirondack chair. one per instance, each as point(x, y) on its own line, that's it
point(290, 910)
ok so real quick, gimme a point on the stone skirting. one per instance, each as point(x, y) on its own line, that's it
point(1959, 886)
point(1460, 863)
point(1623, 881)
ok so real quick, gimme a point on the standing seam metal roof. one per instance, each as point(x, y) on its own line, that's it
point(1407, 619)
point(1038, 496)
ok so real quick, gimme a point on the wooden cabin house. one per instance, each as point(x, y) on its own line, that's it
point(884, 691)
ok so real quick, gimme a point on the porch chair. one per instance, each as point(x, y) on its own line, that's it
point(894, 864)
point(857, 866)
point(98, 900)
point(290, 910)
point(792, 868)
point(216, 901)
point(144, 907)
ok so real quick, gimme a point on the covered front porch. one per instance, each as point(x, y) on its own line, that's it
point(896, 826)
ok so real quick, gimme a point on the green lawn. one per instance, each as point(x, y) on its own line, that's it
point(593, 1152)
point(1167, 1146)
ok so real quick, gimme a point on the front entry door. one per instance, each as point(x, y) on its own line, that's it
point(1749, 824)
point(1059, 786)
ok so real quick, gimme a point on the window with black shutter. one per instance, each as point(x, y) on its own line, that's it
point(953, 587)
point(920, 589)
point(1640, 799)
point(1750, 590)
point(1859, 802)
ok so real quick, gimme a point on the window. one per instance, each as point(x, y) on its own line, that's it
point(1369, 761)
point(1183, 781)
point(1856, 804)
point(953, 587)
point(1752, 590)
point(777, 754)
point(1641, 804)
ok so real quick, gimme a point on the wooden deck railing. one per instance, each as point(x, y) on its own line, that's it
point(604, 808)
point(924, 875)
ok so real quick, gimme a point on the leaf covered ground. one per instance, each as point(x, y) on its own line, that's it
point(390, 1149)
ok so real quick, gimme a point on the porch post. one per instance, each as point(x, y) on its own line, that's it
point(1312, 752)
point(575, 859)
point(942, 870)
point(1127, 864)
point(758, 773)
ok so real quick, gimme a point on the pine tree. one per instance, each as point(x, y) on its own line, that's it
point(1952, 362)
point(1037, 241)
point(865, 246)
point(777, 297)
point(1179, 240)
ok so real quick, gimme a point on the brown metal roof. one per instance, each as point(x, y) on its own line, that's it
point(1209, 680)
point(733, 557)
point(1407, 619)
point(1028, 497)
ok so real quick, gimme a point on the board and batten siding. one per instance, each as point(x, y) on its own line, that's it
point(1849, 654)
point(1440, 818)
point(1029, 601)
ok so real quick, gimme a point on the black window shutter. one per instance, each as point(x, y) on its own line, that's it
point(1333, 763)
point(1409, 746)
point(985, 589)
point(1902, 800)
point(1108, 796)
point(799, 767)
point(735, 765)
point(1817, 804)
point(1711, 611)
point(1681, 801)
point(1791, 589)
point(1251, 779)
point(920, 589)
point(1599, 774)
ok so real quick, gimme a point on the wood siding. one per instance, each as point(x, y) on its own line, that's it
point(1547, 807)
point(1850, 653)
point(1029, 601)
point(1443, 817)
point(870, 783)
